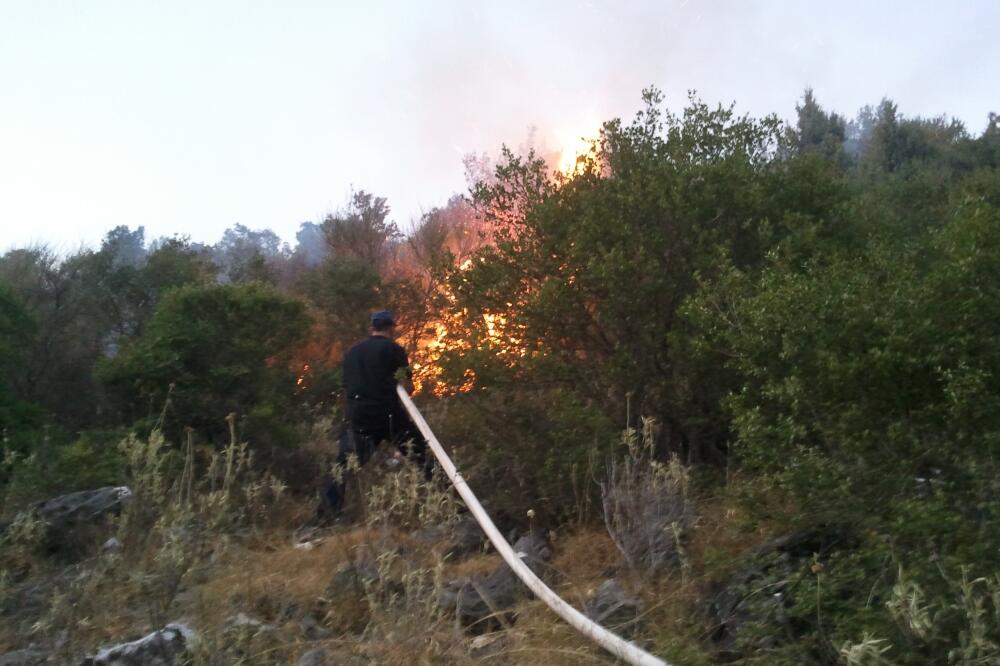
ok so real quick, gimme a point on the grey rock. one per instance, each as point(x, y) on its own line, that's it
point(244, 621)
point(466, 537)
point(66, 515)
point(354, 577)
point(84, 506)
point(112, 545)
point(612, 607)
point(313, 630)
point(315, 657)
point(457, 540)
point(25, 657)
point(478, 601)
point(165, 647)
point(748, 610)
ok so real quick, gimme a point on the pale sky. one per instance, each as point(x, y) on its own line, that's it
point(190, 117)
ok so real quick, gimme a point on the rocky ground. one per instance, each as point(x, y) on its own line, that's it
point(102, 577)
point(321, 597)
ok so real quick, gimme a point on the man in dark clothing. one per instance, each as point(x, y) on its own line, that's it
point(373, 412)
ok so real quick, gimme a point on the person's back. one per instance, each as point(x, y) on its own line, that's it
point(370, 369)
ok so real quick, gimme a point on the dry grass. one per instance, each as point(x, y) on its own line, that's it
point(276, 567)
point(270, 580)
point(672, 621)
point(392, 619)
point(586, 555)
point(478, 565)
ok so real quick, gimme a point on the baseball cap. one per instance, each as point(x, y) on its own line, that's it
point(383, 317)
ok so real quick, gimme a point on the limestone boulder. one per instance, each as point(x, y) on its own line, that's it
point(483, 603)
point(167, 647)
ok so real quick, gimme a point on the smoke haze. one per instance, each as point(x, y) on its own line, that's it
point(190, 119)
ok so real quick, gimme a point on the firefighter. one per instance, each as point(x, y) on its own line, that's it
point(372, 410)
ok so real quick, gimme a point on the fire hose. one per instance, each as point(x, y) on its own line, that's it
point(608, 640)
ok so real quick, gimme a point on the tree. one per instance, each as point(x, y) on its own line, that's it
point(988, 144)
point(310, 246)
point(901, 145)
point(362, 232)
point(870, 393)
point(16, 332)
point(244, 255)
point(343, 293)
point(356, 272)
point(58, 361)
point(445, 237)
point(582, 284)
point(176, 262)
point(209, 351)
point(123, 281)
point(817, 130)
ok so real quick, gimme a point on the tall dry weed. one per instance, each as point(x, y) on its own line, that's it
point(647, 508)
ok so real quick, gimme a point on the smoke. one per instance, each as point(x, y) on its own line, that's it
point(126, 247)
point(267, 114)
point(310, 244)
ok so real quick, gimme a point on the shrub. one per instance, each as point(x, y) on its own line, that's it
point(647, 510)
point(530, 448)
point(211, 351)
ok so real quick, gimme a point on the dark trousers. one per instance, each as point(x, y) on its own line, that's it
point(367, 426)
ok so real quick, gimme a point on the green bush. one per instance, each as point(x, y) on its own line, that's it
point(871, 396)
point(527, 449)
point(212, 351)
point(92, 461)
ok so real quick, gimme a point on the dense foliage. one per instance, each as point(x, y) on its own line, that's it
point(809, 311)
point(816, 305)
point(211, 350)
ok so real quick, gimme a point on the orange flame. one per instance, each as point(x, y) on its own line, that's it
point(573, 156)
point(300, 381)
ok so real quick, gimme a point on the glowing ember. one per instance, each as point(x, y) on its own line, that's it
point(469, 381)
point(300, 381)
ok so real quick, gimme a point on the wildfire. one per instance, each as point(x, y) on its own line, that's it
point(451, 333)
point(502, 337)
point(571, 154)
point(454, 332)
point(300, 381)
point(426, 372)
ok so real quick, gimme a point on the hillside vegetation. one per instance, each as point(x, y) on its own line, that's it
point(748, 370)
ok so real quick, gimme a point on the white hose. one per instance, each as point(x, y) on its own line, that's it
point(609, 641)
